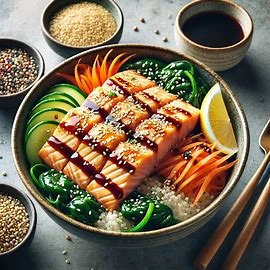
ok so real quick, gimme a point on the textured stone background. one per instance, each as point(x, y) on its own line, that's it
point(250, 80)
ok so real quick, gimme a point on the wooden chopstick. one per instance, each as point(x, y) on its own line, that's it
point(227, 223)
point(248, 230)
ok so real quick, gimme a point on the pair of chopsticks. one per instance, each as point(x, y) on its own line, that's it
point(226, 225)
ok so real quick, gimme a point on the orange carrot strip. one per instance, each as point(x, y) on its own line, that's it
point(207, 160)
point(118, 65)
point(95, 76)
point(177, 168)
point(69, 78)
point(199, 181)
point(209, 178)
point(115, 60)
point(88, 73)
point(190, 146)
point(88, 82)
point(77, 77)
point(85, 86)
point(104, 67)
point(190, 163)
point(204, 171)
point(172, 160)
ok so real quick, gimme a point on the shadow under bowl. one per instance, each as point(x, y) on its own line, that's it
point(66, 50)
point(124, 239)
point(30, 208)
point(14, 99)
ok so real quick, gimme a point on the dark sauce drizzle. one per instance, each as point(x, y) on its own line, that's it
point(108, 153)
point(86, 167)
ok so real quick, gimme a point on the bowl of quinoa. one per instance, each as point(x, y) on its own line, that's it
point(21, 65)
point(70, 27)
point(17, 220)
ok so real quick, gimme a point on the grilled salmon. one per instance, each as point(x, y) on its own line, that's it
point(93, 152)
point(123, 175)
point(67, 137)
point(154, 98)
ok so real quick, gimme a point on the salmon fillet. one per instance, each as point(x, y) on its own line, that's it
point(68, 133)
point(184, 114)
point(119, 181)
point(96, 155)
point(93, 152)
point(154, 98)
point(129, 112)
point(154, 137)
point(128, 82)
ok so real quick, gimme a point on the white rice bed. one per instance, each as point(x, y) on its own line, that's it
point(178, 202)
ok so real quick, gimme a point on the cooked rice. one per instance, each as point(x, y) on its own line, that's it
point(179, 203)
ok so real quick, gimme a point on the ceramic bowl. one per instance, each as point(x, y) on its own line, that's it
point(222, 58)
point(123, 239)
point(67, 50)
point(13, 100)
point(30, 208)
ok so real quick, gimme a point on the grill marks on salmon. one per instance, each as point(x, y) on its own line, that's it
point(171, 123)
point(67, 137)
point(94, 150)
point(95, 109)
point(122, 130)
point(140, 157)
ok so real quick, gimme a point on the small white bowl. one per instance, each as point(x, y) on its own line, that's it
point(221, 58)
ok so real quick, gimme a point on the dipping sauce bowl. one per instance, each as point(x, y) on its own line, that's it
point(218, 33)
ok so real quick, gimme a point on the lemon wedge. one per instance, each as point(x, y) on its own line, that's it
point(215, 122)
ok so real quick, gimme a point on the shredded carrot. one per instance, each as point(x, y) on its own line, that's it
point(88, 77)
point(69, 78)
point(197, 168)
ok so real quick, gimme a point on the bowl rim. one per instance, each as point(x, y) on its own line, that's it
point(67, 46)
point(40, 63)
point(32, 221)
point(187, 224)
point(237, 45)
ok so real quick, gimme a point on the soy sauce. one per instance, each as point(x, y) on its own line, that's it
point(213, 29)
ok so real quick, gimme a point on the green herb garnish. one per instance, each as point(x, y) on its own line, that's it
point(112, 94)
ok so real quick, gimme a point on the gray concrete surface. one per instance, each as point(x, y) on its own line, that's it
point(250, 80)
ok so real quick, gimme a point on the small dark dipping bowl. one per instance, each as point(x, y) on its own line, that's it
point(68, 50)
point(30, 208)
point(14, 99)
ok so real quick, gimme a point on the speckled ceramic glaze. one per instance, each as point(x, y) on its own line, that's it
point(13, 100)
point(218, 59)
point(30, 208)
point(66, 50)
point(141, 239)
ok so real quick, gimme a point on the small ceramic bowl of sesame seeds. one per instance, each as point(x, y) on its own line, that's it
point(21, 65)
point(73, 26)
point(17, 220)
